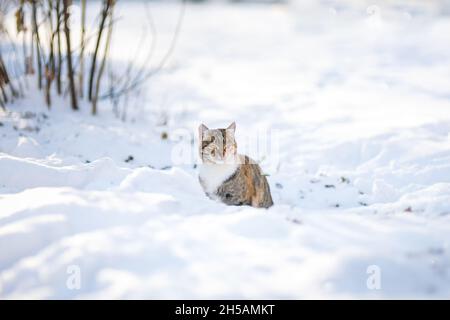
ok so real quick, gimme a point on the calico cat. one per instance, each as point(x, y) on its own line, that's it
point(228, 176)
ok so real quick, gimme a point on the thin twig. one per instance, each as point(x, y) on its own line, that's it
point(102, 65)
point(140, 78)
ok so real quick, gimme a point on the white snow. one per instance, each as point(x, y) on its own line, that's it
point(357, 97)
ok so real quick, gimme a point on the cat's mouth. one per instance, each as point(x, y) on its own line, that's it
point(213, 161)
point(229, 160)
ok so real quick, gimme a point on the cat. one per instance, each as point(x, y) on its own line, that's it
point(228, 176)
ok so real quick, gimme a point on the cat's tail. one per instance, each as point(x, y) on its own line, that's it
point(263, 197)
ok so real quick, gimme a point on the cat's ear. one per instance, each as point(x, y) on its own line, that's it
point(202, 128)
point(232, 127)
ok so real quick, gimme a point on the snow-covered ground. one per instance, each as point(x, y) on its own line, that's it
point(354, 96)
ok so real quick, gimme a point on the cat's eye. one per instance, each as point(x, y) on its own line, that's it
point(207, 142)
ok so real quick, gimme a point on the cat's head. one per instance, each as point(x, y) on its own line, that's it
point(217, 145)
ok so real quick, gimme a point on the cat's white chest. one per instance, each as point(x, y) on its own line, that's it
point(213, 175)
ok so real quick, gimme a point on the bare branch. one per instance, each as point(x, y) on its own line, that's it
point(143, 76)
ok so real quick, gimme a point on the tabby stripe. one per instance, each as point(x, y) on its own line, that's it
point(224, 135)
